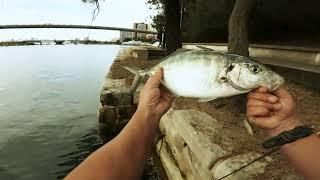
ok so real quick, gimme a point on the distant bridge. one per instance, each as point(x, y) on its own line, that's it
point(61, 26)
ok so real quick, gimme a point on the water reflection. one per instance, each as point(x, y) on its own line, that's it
point(49, 97)
point(85, 145)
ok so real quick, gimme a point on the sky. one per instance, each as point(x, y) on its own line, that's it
point(118, 13)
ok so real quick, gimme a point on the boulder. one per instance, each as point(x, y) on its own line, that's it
point(227, 166)
point(194, 152)
point(115, 92)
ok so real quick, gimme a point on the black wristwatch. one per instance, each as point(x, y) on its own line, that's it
point(288, 137)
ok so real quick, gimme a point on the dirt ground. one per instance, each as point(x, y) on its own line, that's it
point(230, 112)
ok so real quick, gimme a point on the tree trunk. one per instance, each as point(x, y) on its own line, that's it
point(238, 42)
point(172, 27)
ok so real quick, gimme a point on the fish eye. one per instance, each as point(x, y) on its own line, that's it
point(255, 69)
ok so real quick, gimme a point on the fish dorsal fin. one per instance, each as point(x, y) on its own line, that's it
point(178, 51)
point(206, 99)
point(183, 50)
point(205, 48)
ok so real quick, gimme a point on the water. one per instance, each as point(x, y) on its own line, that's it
point(48, 106)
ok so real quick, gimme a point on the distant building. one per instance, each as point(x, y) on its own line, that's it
point(126, 35)
point(135, 35)
point(143, 27)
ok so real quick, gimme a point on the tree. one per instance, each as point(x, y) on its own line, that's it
point(96, 11)
point(238, 41)
point(172, 27)
point(169, 18)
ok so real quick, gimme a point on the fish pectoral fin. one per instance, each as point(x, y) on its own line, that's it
point(206, 99)
point(247, 126)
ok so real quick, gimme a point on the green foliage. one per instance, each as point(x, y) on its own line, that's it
point(158, 21)
point(157, 3)
point(127, 39)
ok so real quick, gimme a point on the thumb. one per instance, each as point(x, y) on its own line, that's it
point(155, 80)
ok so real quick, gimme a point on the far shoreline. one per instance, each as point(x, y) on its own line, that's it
point(52, 42)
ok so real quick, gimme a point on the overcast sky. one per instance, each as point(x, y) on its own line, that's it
point(119, 13)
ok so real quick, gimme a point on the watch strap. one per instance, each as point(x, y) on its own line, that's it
point(288, 137)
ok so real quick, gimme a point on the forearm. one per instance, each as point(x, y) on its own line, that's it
point(124, 156)
point(304, 155)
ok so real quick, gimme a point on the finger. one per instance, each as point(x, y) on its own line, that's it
point(262, 90)
point(165, 90)
point(263, 97)
point(264, 122)
point(282, 93)
point(155, 80)
point(166, 93)
point(168, 96)
point(258, 103)
point(258, 111)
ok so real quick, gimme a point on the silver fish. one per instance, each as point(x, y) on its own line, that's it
point(208, 75)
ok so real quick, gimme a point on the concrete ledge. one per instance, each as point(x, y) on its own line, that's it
point(307, 59)
point(141, 54)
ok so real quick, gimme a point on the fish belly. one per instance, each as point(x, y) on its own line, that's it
point(196, 79)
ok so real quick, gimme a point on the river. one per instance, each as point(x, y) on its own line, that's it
point(48, 106)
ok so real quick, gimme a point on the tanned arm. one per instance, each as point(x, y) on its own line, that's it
point(124, 156)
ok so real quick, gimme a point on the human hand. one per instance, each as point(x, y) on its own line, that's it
point(154, 100)
point(274, 112)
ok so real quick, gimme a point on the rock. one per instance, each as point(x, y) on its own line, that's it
point(115, 92)
point(224, 167)
point(106, 133)
point(141, 54)
point(114, 83)
point(291, 177)
point(116, 98)
point(194, 152)
point(108, 120)
point(169, 164)
point(126, 111)
point(108, 114)
point(182, 121)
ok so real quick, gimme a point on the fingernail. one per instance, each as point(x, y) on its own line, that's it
point(277, 106)
point(272, 99)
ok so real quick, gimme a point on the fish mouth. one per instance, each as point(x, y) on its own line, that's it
point(280, 81)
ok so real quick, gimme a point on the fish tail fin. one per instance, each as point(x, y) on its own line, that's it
point(139, 75)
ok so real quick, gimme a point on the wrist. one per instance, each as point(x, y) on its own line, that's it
point(285, 125)
point(152, 119)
